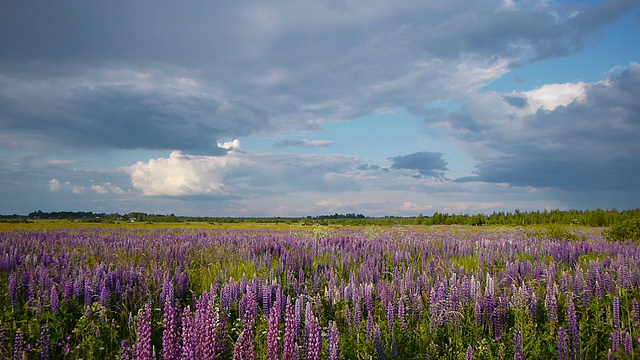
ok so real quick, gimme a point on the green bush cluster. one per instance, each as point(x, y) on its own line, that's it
point(625, 230)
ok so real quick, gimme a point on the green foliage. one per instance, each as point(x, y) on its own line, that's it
point(625, 230)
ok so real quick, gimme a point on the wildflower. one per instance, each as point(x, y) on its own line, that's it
point(333, 341)
point(143, 333)
point(562, 344)
point(45, 344)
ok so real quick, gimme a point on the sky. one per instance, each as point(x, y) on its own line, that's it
point(297, 108)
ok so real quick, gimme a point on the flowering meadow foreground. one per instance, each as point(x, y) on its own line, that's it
point(317, 293)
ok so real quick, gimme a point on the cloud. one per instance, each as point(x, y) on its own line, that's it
point(107, 188)
point(181, 175)
point(305, 143)
point(250, 68)
point(426, 163)
point(572, 136)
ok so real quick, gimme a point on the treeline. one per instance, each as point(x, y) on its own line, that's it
point(89, 216)
point(593, 218)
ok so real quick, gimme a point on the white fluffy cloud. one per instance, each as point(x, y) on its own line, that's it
point(182, 175)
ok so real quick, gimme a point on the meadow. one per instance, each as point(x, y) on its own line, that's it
point(316, 292)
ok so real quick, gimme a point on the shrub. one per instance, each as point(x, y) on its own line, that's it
point(625, 230)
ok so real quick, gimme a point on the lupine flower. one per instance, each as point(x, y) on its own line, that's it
point(563, 353)
point(333, 341)
point(45, 344)
point(125, 350)
point(54, 301)
point(189, 335)
point(314, 337)
point(273, 347)
point(574, 333)
point(517, 345)
point(377, 342)
point(290, 331)
point(245, 344)
point(616, 312)
point(143, 333)
point(615, 341)
point(170, 334)
point(18, 346)
point(469, 355)
point(636, 311)
point(627, 343)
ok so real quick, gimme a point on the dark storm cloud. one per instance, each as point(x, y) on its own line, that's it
point(257, 67)
point(589, 144)
point(427, 163)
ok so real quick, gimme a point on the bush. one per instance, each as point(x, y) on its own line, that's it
point(625, 230)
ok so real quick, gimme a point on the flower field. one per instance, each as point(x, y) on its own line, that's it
point(317, 293)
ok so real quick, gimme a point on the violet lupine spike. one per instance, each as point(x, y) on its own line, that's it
point(290, 331)
point(245, 344)
point(333, 341)
point(563, 349)
point(636, 311)
point(377, 342)
point(125, 350)
point(627, 342)
point(574, 331)
point(616, 312)
point(19, 348)
point(171, 333)
point(143, 333)
point(273, 346)
point(469, 355)
point(517, 346)
point(551, 305)
point(189, 335)
point(314, 338)
point(45, 344)
point(615, 341)
point(54, 301)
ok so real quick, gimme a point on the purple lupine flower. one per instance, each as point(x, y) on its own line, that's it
point(125, 350)
point(170, 334)
point(563, 353)
point(377, 342)
point(54, 300)
point(143, 333)
point(314, 337)
point(390, 315)
point(402, 316)
point(290, 331)
point(627, 343)
point(616, 312)
point(189, 335)
point(615, 341)
point(45, 344)
point(370, 326)
point(273, 347)
point(333, 341)
point(207, 328)
point(574, 331)
point(18, 346)
point(469, 355)
point(518, 353)
point(357, 314)
point(245, 344)
point(12, 289)
point(104, 296)
point(551, 304)
point(636, 311)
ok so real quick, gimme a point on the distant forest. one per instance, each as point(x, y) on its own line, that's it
point(593, 218)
